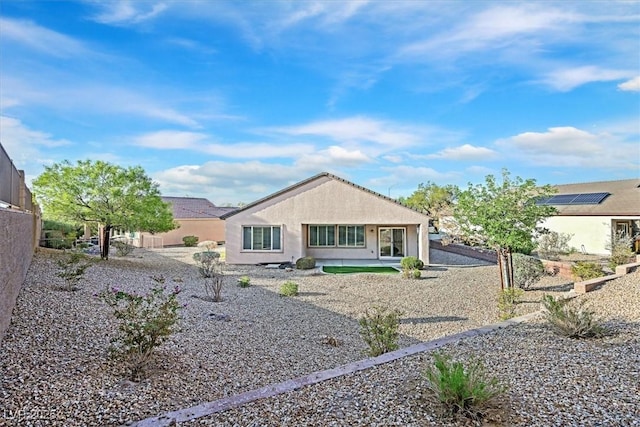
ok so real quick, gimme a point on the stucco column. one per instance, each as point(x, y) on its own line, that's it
point(423, 242)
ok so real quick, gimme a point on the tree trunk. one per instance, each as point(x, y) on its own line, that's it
point(106, 240)
point(506, 268)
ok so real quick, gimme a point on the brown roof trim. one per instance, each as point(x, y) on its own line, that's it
point(311, 179)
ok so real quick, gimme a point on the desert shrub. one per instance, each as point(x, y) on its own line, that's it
point(379, 330)
point(122, 248)
point(411, 274)
point(306, 263)
point(572, 322)
point(145, 322)
point(411, 262)
point(72, 268)
point(289, 289)
point(552, 244)
point(462, 390)
point(620, 245)
point(190, 241)
point(210, 268)
point(527, 270)
point(244, 281)
point(507, 301)
point(584, 270)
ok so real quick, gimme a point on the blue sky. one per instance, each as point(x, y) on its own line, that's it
point(235, 100)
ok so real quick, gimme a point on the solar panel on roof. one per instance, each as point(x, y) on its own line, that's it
point(575, 199)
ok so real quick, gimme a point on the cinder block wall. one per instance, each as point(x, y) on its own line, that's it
point(17, 231)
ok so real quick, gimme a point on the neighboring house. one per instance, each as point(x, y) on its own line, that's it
point(591, 211)
point(325, 217)
point(195, 217)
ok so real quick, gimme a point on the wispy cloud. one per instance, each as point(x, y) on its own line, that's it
point(465, 152)
point(567, 79)
point(41, 39)
point(26, 145)
point(126, 11)
point(632, 85)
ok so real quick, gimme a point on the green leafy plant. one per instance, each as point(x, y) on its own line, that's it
point(507, 301)
point(145, 322)
point(289, 289)
point(190, 241)
point(572, 322)
point(210, 268)
point(411, 267)
point(585, 270)
point(122, 248)
point(379, 330)
point(72, 269)
point(463, 390)
point(244, 281)
point(527, 270)
point(306, 263)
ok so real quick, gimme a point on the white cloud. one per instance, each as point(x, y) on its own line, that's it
point(632, 85)
point(332, 157)
point(464, 152)
point(41, 39)
point(572, 147)
point(171, 140)
point(566, 79)
point(126, 11)
point(24, 145)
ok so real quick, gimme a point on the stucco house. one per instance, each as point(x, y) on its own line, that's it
point(325, 217)
point(195, 217)
point(591, 211)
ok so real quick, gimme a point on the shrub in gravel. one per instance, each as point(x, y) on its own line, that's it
point(72, 269)
point(462, 390)
point(210, 268)
point(411, 267)
point(244, 281)
point(527, 270)
point(585, 270)
point(122, 248)
point(620, 245)
point(190, 241)
point(552, 244)
point(306, 263)
point(572, 322)
point(379, 329)
point(289, 289)
point(145, 322)
point(507, 300)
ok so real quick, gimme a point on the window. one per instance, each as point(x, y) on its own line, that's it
point(322, 235)
point(351, 235)
point(261, 238)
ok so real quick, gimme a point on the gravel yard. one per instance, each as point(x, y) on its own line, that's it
point(55, 368)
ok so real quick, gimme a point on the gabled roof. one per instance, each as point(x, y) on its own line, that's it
point(311, 179)
point(194, 207)
point(623, 198)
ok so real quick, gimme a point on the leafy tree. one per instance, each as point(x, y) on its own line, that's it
point(432, 199)
point(504, 215)
point(108, 195)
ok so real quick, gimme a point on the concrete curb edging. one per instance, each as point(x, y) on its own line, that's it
point(220, 405)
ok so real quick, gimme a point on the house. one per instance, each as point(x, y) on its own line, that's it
point(195, 217)
point(325, 217)
point(591, 211)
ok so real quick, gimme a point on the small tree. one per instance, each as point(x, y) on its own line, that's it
point(105, 194)
point(505, 215)
point(434, 200)
point(210, 268)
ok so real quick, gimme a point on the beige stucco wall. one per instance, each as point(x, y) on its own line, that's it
point(324, 201)
point(592, 232)
point(204, 229)
point(18, 237)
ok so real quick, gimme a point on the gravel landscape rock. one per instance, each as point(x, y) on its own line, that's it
point(55, 367)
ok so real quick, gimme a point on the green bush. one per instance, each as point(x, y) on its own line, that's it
point(462, 390)
point(244, 281)
point(289, 289)
point(306, 263)
point(190, 241)
point(527, 270)
point(411, 274)
point(552, 244)
point(411, 263)
point(507, 301)
point(379, 329)
point(620, 245)
point(146, 321)
point(72, 269)
point(584, 270)
point(572, 322)
point(122, 248)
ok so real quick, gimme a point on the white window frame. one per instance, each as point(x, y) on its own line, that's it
point(354, 243)
point(327, 228)
point(272, 240)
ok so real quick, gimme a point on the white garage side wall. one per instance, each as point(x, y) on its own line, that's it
point(321, 201)
point(592, 232)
